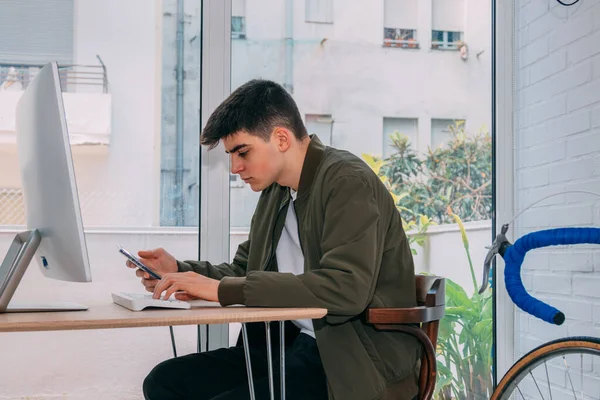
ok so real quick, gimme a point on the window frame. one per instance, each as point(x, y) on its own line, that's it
point(410, 43)
point(241, 34)
point(309, 19)
point(503, 171)
point(214, 165)
point(445, 44)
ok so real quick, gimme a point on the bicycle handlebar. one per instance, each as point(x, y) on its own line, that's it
point(515, 254)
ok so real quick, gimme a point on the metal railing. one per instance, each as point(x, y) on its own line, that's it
point(12, 209)
point(93, 206)
point(73, 77)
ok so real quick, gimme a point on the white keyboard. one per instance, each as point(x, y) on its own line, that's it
point(139, 301)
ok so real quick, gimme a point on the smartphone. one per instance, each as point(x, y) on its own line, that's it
point(138, 263)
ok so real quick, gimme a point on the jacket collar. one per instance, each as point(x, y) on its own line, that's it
point(314, 155)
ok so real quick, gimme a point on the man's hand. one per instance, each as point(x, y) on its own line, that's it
point(159, 260)
point(187, 286)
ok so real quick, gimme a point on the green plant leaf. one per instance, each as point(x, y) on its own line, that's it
point(444, 378)
point(456, 295)
point(483, 330)
point(456, 177)
point(402, 195)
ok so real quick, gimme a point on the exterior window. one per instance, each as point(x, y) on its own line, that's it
point(321, 125)
point(238, 27)
point(396, 37)
point(400, 19)
point(442, 130)
point(238, 19)
point(446, 40)
point(319, 11)
point(404, 126)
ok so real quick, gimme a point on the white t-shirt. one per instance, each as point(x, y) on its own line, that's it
point(290, 258)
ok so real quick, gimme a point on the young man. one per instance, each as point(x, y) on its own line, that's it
point(325, 233)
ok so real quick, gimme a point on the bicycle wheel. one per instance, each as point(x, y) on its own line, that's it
point(567, 368)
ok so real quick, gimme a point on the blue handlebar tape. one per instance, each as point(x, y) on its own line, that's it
point(515, 255)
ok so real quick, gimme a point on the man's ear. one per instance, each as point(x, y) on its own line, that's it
point(283, 138)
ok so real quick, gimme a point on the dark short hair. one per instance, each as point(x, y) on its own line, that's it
point(256, 107)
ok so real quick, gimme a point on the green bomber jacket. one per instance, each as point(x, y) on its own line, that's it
point(356, 256)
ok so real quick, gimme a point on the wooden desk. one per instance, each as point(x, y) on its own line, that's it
point(110, 316)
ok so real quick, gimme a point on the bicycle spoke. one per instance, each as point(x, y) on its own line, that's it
point(569, 376)
point(581, 376)
point(536, 385)
point(523, 397)
point(539, 364)
point(548, 380)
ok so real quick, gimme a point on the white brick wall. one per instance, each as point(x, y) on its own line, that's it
point(557, 142)
point(596, 313)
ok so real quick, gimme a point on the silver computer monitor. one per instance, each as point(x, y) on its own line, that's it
point(49, 189)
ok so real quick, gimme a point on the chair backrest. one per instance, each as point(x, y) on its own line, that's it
point(431, 290)
point(431, 298)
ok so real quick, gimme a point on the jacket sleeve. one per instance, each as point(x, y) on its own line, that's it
point(236, 269)
point(345, 279)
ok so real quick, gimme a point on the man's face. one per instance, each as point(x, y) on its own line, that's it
point(257, 162)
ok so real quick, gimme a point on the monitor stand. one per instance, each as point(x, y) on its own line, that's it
point(19, 255)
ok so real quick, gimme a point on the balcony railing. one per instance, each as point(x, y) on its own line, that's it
point(73, 78)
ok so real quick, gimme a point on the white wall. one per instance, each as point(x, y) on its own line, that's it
point(558, 150)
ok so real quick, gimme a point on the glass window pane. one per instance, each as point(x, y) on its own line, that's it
point(238, 27)
point(321, 125)
point(371, 91)
point(442, 131)
point(130, 77)
point(180, 103)
point(437, 36)
point(399, 126)
point(453, 37)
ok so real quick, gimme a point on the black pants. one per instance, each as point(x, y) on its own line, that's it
point(221, 374)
